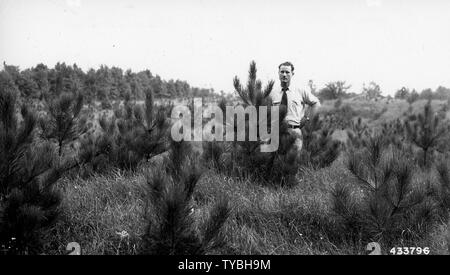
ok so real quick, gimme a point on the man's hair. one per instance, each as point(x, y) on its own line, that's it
point(287, 63)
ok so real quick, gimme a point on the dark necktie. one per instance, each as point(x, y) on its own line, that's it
point(284, 97)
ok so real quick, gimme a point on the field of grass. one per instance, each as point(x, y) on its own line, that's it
point(264, 220)
point(107, 213)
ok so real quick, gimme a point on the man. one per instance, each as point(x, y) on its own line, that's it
point(299, 104)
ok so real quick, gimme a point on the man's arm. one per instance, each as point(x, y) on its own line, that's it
point(310, 103)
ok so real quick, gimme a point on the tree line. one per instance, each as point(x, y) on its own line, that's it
point(103, 84)
point(339, 89)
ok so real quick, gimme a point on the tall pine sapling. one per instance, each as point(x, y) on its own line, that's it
point(278, 167)
point(384, 205)
point(215, 152)
point(144, 129)
point(63, 123)
point(426, 131)
point(172, 228)
point(28, 172)
point(98, 152)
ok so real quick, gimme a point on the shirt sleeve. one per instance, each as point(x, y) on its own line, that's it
point(275, 97)
point(310, 99)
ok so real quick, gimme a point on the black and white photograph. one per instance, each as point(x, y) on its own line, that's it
point(224, 128)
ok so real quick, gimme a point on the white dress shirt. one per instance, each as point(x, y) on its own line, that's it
point(296, 103)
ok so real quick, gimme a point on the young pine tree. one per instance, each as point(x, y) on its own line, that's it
point(28, 172)
point(426, 131)
point(394, 133)
point(319, 149)
point(63, 123)
point(98, 152)
point(276, 168)
point(442, 190)
point(357, 134)
point(144, 129)
point(384, 205)
point(215, 152)
point(172, 228)
point(133, 134)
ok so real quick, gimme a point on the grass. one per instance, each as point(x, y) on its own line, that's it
point(268, 221)
point(106, 214)
point(439, 240)
point(97, 209)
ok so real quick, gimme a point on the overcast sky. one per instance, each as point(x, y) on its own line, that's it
point(394, 43)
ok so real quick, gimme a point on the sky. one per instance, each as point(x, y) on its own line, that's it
point(207, 42)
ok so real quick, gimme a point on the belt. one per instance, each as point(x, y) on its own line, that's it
point(294, 126)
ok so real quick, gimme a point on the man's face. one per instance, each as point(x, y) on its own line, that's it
point(285, 73)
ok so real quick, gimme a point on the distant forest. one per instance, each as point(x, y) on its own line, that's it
point(104, 84)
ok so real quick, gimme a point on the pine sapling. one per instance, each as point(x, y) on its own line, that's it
point(319, 148)
point(442, 194)
point(172, 227)
point(384, 203)
point(394, 133)
point(133, 134)
point(64, 123)
point(357, 134)
point(426, 131)
point(28, 173)
point(277, 168)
